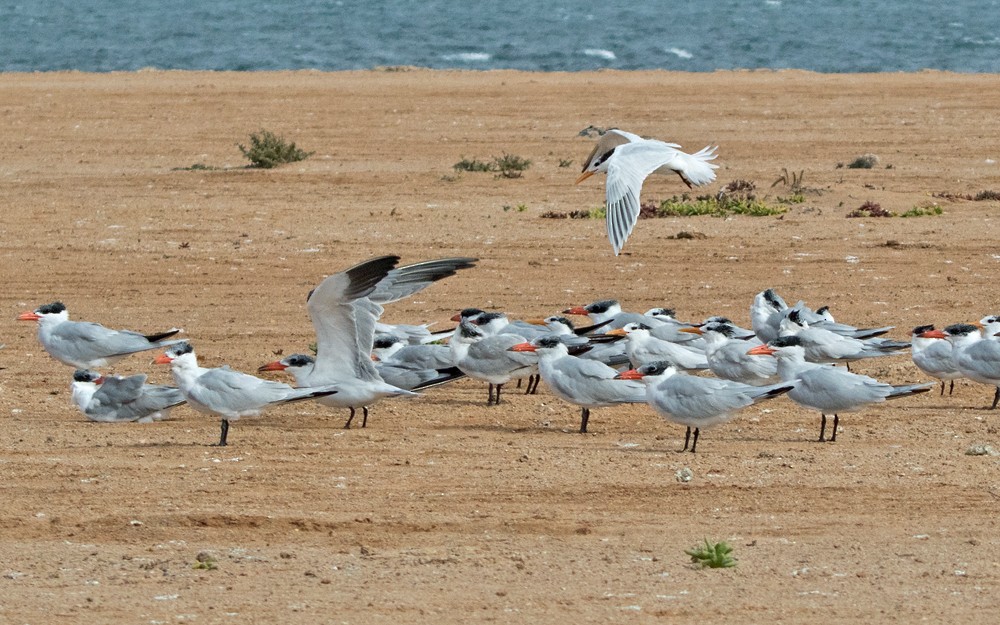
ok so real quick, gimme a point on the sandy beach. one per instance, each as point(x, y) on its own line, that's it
point(444, 510)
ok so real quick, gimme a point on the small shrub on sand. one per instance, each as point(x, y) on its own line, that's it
point(269, 150)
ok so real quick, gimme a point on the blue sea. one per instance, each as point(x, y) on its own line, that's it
point(554, 35)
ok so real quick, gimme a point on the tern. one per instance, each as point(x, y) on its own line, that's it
point(934, 356)
point(628, 159)
point(976, 356)
point(644, 348)
point(726, 352)
point(393, 349)
point(585, 383)
point(824, 346)
point(344, 310)
point(829, 389)
point(769, 309)
point(698, 402)
point(488, 359)
point(609, 313)
point(87, 345)
point(117, 399)
point(227, 393)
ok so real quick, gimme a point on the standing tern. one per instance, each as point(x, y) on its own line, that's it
point(976, 356)
point(726, 353)
point(698, 402)
point(829, 389)
point(934, 356)
point(628, 159)
point(487, 358)
point(117, 399)
point(609, 312)
point(824, 346)
point(643, 348)
point(227, 393)
point(87, 345)
point(344, 310)
point(585, 383)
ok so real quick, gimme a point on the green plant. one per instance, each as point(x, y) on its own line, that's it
point(197, 167)
point(718, 206)
point(472, 164)
point(922, 211)
point(205, 561)
point(565, 162)
point(712, 556)
point(510, 165)
point(269, 150)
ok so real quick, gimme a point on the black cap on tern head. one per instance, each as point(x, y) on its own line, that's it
point(470, 312)
point(51, 309)
point(384, 341)
point(299, 360)
point(547, 340)
point(85, 375)
point(786, 341)
point(773, 299)
point(654, 368)
point(180, 349)
point(468, 330)
point(960, 329)
point(922, 329)
point(601, 306)
point(487, 317)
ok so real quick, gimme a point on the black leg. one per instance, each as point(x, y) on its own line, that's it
point(848, 366)
point(822, 428)
point(496, 402)
point(687, 439)
point(364, 419)
point(347, 425)
point(836, 422)
point(996, 398)
point(942, 387)
point(529, 383)
point(694, 443)
point(584, 418)
point(951, 387)
point(224, 434)
point(538, 380)
point(489, 400)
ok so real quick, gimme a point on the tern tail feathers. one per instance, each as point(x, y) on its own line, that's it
point(153, 338)
point(905, 390)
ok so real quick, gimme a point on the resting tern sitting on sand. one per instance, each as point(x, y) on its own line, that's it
point(610, 313)
point(586, 383)
point(87, 345)
point(695, 401)
point(227, 393)
point(115, 399)
point(824, 346)
point(829, 389)
point(628, 159)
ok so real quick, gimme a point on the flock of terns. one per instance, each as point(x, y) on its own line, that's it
point(619, 358)
point(694, 374)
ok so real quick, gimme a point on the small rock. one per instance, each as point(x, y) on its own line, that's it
point(980, 450)
point(684, 475)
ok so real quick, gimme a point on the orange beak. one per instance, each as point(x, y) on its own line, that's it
point(978, 324)
point(375, 358)
point(99, 380)
point(272, 366)
point(29, 316)
point(616, 332)
point(933, 334)
point(457, 318)
point(584, 176)
point(523, 347)
point(576, 310)
point(536, 322)
point(631, 374)
point(163, 359)
point(761, 350)
point(691, 330)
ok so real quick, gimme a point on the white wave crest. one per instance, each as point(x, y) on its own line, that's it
point(680, 53)
point(469, 57)
point(600, 53)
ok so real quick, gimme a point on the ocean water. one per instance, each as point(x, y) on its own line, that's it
point(540, 35)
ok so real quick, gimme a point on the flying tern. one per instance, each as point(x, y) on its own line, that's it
point(628, 159)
